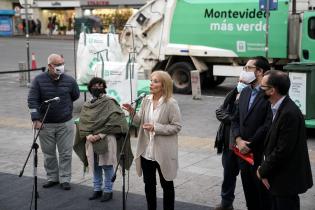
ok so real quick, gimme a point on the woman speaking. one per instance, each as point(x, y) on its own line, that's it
point(159, 122)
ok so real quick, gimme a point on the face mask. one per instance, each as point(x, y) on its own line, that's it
point(265, 95)
point(248, 76)
point(96, 92)
point(240, 86)
point(59, 70)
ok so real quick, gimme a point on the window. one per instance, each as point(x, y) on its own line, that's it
point(311, 27)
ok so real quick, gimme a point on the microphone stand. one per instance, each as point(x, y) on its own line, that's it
point(35, 148)
point(122, 161)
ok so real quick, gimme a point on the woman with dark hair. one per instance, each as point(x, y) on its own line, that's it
point(101, 129)
point(97, 87)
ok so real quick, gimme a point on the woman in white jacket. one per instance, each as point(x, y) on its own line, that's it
point(159, 122)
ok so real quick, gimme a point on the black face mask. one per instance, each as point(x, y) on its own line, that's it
point(96, 92)
point(266, 96)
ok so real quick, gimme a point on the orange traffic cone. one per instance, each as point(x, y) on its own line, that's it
point(34, 65)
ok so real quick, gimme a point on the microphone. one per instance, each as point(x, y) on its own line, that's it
point(141, 96)
point(56, 99)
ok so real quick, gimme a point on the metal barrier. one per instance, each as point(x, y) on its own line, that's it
point(25, 70)
point(23, 78)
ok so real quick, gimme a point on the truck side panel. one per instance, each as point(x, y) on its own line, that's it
point(238, 26)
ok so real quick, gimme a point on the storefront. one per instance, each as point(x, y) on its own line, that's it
point(17, 19)
point(57, 17)
point(6, 22)
point(111, 12)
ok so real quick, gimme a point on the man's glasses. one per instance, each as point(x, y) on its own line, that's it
point(246, 68)
point(57, 64)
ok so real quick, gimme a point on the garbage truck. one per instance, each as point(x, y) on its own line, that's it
point(217, 37)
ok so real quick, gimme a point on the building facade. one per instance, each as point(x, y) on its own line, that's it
point(110, 12)
point(58, 16)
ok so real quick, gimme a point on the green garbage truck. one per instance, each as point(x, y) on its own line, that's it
point(217, 37)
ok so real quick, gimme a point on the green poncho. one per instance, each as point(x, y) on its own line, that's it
point(103, 116)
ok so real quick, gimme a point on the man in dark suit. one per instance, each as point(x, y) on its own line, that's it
point(249, 127)
point(286, 170)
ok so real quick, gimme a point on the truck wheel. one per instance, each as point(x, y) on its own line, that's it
point(216, 80)
point(209, 81)
point(180, 73)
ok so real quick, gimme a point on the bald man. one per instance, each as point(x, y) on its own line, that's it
point(58, 128)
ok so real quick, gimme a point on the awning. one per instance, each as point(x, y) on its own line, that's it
point(112, 3)
point(7, 12)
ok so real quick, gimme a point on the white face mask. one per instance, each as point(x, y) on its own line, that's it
point(240, 86)
point(59, 70)
point(247, 76)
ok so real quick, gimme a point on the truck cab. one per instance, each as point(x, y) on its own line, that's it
point(307, 53)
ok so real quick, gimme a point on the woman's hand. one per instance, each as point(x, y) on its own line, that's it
point(93, 138)
point(148, 126)
point(128, 108)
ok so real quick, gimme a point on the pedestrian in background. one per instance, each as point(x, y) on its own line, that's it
point(101, 128)
point(50, 26)
point(58, 128)
point(286, 169)
point(249, 127)
point(32, 26)
point(159, 122)
point(224, 141)
point(24, 26)
point(38, 26)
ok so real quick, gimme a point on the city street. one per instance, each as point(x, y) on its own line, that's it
point(200, 173)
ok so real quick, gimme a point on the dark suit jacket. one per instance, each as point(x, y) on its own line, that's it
point(252, 125)
point(287, 164)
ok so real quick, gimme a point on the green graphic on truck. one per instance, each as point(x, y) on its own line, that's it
point(225, 24)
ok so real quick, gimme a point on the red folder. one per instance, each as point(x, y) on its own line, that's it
point(249, 157)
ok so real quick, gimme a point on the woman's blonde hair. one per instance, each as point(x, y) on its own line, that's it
point(167, 83)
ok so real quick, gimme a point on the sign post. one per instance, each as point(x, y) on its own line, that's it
point(27, 4)
point(268, 5)
point(267, 27)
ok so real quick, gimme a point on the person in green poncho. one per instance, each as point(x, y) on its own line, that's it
point(100, 134)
